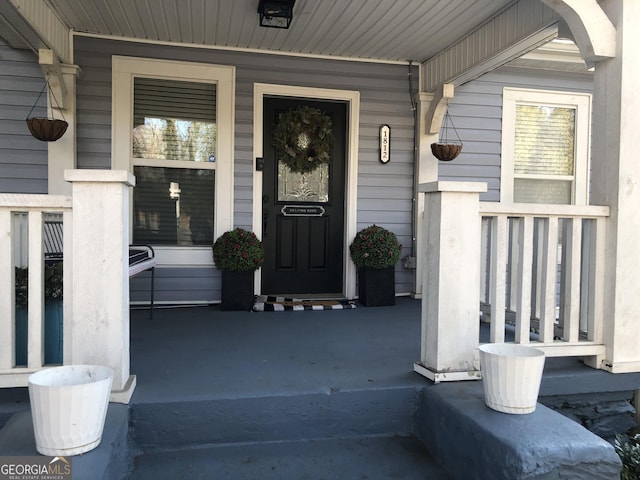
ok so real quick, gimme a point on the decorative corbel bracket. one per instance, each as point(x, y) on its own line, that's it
point(438, 108)
point(592, 30)
point(52, 72)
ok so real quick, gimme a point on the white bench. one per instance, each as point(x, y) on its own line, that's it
point(141, 257)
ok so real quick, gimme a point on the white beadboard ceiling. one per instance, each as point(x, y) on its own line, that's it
point(377, 30)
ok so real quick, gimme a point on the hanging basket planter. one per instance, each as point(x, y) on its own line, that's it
point(47, 129)
point(43, 128)
point(446, 150)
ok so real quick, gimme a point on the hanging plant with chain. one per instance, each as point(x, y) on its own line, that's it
point(47, 129)
point(303, 138)
point(447, 149)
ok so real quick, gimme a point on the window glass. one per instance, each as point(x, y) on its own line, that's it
point(545, 137)
point(541, 191)
point(174, 120)
point(173, 206)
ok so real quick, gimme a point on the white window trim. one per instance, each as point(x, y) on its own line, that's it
point(124, 69)
point(578, 100)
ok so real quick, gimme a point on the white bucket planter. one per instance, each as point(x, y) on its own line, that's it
point(511, 375)
point(69, 407)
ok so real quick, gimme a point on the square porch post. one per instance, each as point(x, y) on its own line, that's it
point(615, 180)
point(99, 332)
point(451, 283)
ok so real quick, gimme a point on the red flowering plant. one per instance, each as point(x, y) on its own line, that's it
point(375, 247)
point(238, 250)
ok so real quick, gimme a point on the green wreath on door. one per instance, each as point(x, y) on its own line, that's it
point(303, 138)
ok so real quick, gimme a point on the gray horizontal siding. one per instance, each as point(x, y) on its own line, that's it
point(195, 285)
point(384, 94)
point(23, 159)
point(476, 112)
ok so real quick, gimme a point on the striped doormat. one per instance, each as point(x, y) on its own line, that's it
point(282, 304)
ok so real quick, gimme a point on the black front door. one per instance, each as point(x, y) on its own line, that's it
point(303, 213)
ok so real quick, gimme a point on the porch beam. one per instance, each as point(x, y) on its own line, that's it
point(518, 29)
point(36, 22)
point(592, 31)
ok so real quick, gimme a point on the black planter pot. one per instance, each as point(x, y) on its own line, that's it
point(237, 290)
point(377, 287)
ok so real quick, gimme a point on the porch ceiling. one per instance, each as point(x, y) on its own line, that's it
point(376, 30)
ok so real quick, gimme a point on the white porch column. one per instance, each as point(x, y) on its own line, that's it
point(616, 182)
point(61, 153)
point(99, 332)
point(426, 170)
point(451, 285)
point(431, 110)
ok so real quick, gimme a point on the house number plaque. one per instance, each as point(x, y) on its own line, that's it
point(385, 143)
point(302, 211)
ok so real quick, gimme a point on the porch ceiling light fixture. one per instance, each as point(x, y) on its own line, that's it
point(276, 13)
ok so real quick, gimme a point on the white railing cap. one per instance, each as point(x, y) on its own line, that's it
point(100, 176)
point(461, 187)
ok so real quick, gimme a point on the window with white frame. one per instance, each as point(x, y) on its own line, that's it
point(545, 146)
point(173, 124)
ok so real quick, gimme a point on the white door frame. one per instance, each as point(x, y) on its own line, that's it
point(352, 98)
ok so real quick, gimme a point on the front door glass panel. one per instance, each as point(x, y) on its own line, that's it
point(303, 187)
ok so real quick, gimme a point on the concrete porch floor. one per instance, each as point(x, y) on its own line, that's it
point(202, 352)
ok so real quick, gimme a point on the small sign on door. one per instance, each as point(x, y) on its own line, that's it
point(302, 211)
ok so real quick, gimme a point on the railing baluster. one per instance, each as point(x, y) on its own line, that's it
point(524, 276)
point(571, 298)
point(36, 292)
point(595, 314)
point(548, 279)
point(498, 277)
point(7, 295)
point(67, 309)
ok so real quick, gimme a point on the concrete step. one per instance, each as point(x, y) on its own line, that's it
point(359, 458)
point(331, 413)
point(109, 461)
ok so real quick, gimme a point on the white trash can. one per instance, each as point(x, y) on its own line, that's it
point(511, 375)
point(69, 407)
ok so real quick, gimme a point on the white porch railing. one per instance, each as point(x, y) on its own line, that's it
point(14, 238)
point(542, 274)
point(95, 276)
point(535, 271)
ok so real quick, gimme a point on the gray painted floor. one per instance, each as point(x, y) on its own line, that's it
point(204, 353)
